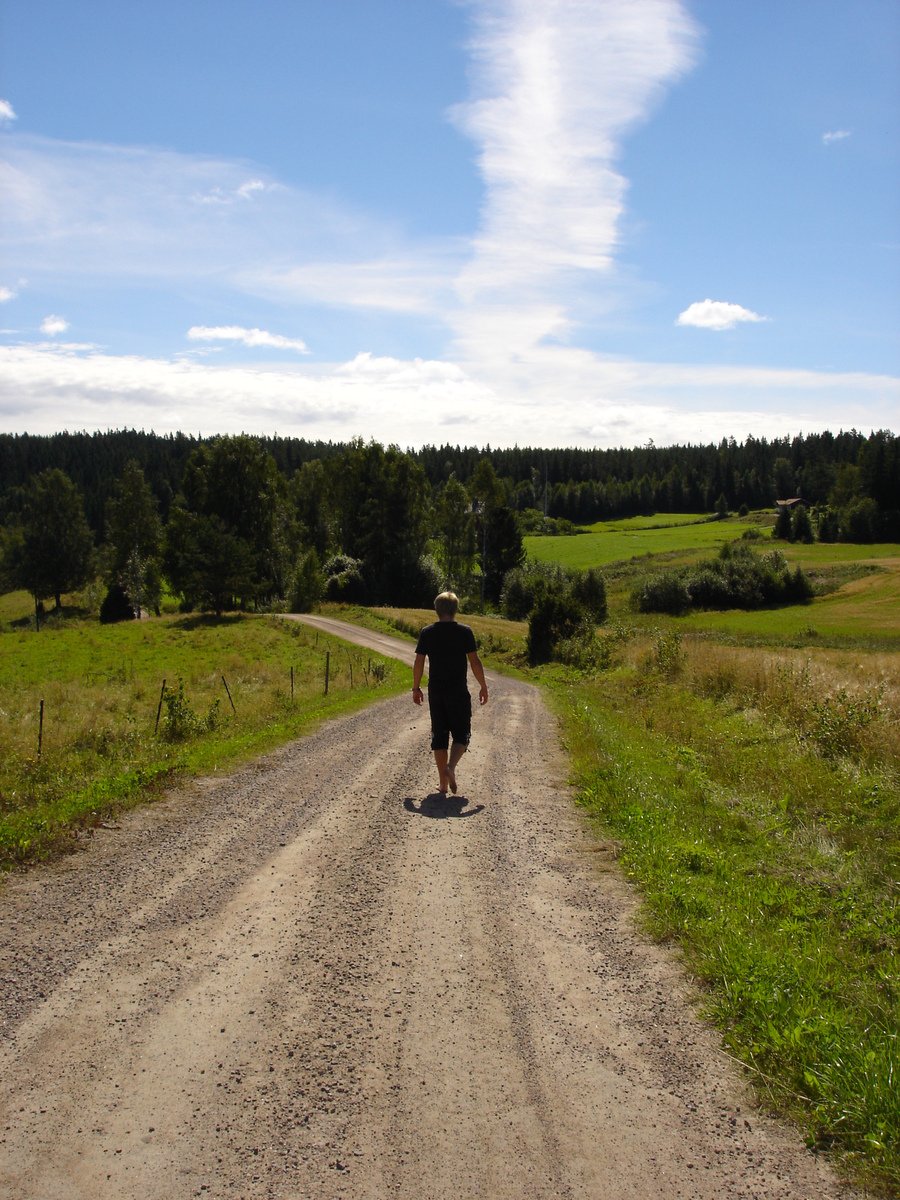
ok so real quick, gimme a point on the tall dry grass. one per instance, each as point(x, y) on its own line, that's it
point(842, 703)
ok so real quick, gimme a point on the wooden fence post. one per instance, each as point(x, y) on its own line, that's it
point(327, 669)
point(292, 683)
point(162, 692)
point(41, 730)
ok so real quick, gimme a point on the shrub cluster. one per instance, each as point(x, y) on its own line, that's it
point(562, 606)
point(525, 586)
point(737, 578)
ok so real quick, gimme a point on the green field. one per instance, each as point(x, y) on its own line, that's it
point(100, 748)
point(862, 583)
point(615, 541)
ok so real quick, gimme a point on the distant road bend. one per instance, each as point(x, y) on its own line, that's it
point(314, 979)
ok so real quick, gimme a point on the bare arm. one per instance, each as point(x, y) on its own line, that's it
point(418, 670)
point(478, 672)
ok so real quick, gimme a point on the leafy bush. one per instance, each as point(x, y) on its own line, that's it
point(801, 526)
point(737, 578)
point(557, 618)
point(180, 722)
point(860, 522)
point(524, 586)
point(828, 525)
point(588, 588)
point(344, 580)
point(666, 593)
point(425, 581)
point(782, 529)
point(667, 657)
point(116, 606)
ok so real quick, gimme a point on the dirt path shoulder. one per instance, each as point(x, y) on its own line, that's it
point(318, 979)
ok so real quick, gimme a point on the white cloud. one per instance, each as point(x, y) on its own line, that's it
point(835, 135)
point(410, 283)
point(114, 213)
point(716, 314)
point(608, 402)
point(6, 294)
point(136, 214)
point(220, 195)
point(6, 112)
point(248, 337)
point(250, 187)
point(556, 85)
point(52, 325)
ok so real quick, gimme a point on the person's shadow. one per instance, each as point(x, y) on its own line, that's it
point(440, 807)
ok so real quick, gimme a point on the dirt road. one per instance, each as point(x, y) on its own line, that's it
point(315, 979)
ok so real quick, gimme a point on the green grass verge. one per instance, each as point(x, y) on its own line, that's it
point(776, 872)
point(100, 751)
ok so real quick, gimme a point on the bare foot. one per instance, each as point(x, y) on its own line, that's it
point(451, 779)
point(446, 778)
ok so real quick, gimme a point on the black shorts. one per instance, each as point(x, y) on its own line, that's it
point(451, 713)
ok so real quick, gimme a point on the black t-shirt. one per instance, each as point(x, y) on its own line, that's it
point(446, 643)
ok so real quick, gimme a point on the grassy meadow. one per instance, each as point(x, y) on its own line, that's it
point(616, 541)
point(101, 685)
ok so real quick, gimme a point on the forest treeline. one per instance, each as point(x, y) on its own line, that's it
point(248, 521)
point(575, 484)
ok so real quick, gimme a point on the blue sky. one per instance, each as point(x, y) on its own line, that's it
point(532, 222)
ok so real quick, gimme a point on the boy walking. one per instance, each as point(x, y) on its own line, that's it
point(450, 650)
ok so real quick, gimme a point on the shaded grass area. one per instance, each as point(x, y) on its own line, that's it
point(775, 868)
point(101, 687)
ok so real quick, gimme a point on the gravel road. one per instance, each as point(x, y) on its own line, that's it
point(318, 979)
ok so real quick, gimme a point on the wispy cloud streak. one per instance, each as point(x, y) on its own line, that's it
point(556, 85)
point(254, 338)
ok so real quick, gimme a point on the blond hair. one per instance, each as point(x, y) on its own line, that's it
point(446, 604)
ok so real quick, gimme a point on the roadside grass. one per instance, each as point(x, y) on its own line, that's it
point(774, 865)
point(842, 704)
point(101, 689)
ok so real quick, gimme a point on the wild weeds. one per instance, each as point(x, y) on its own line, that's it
point(838, 711)
point(180, 722)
